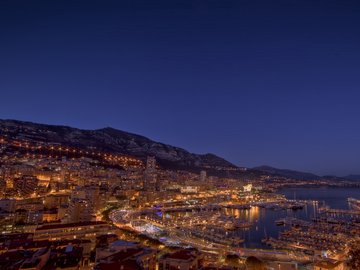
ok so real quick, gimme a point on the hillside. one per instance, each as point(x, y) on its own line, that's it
point(115, 141)
point(287, 173)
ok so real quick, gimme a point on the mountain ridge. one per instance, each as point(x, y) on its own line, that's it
point(354, 177)
point(115, 141)
point(300, 175)
point(118, 141)
point(288, 173)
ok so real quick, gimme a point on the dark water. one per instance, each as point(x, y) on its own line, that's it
point(333, 197)
point(264, 219)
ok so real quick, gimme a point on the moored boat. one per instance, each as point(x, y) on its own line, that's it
point(354, 203)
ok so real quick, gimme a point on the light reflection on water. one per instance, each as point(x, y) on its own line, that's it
point(264, 219)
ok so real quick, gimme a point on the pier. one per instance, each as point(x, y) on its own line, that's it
point(339, 211)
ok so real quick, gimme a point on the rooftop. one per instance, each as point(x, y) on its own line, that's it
point(183, 254)
point(328, 264)
point(69, 225)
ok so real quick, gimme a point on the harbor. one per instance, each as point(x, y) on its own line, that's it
point(296, 227)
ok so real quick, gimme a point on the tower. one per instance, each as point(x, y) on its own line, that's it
point(150, 164)
point(203, 176)
point(150, 175)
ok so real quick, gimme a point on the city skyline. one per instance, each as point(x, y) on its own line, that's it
point(257, 83)
point(180, 134)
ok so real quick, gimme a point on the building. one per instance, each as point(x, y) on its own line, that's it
point(25, 185)
point(34, 204)
point(130, 258)
point(185, 259)
point(248, 188)
point(50, 215)
point(56, 200)
point(8, 205)
point(79, 210)
point(189, 189)
point(329, 265)
point(150, 182)
point(34, 217)
point(151, 164)
point(203, 176)
point(114, 247)
point(90, 193)
point(276, 265)
point(83, 230)
point(2, 186)
point(38, 260)
point(64, 177)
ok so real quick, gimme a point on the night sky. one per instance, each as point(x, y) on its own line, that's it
point(256, 82)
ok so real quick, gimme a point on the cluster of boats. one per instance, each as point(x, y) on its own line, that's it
point(354, 203)
point(237, 224)
point(283, 205)
point(327, 231)
point(216, 237)
point(213, 227)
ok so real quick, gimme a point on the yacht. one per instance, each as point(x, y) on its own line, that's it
point(354, 203)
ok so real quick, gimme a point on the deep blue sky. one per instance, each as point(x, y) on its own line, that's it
point(257, 82)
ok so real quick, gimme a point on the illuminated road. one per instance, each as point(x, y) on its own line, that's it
point(128, 218)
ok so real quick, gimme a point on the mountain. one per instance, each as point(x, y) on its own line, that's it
point(353, 177)
point(114, 141)
point(287, 173)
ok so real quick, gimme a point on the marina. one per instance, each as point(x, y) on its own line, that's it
point(308, 226)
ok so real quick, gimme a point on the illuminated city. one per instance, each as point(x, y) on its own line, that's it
point(57, 197)
point(179, 135)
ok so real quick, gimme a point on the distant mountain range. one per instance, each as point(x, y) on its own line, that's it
point(288, 173)
point(120, 142)
point(354, 177)
point(114, 141)
point(302, 175)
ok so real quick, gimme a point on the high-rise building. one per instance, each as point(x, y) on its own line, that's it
point(64, 177)
point(151, 164)
point(203, 176)
point(150, 175)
